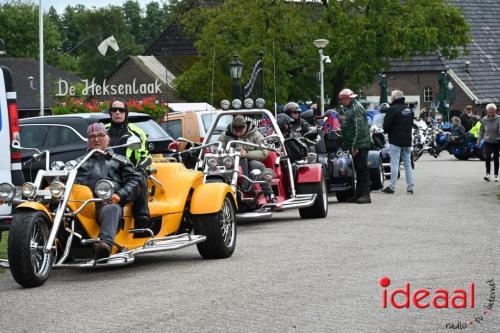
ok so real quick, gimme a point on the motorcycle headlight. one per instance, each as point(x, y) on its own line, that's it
point(104, 189)
point(248, 103)
point(224, 104)
point(228, 162)
point(260, 102)
point(57, 165)
point(268, 174)
point(212, 162)
point(29, 190)
point(312, 157)
point(70, 165)
point(236, 103)
point(57, 189)
point(7, 192)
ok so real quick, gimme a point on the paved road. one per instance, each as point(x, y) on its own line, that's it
point(293, 275)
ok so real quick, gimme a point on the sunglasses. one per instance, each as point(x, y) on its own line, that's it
point(238, 128)
point(121, 110)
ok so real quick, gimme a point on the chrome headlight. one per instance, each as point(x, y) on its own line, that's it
point(104, 189)
point(248, 103)
point(236, 103)
point(70, 165)
point(224, 104)
point(312, 157)
point(29, 190)
point(268, 174)
point(57, 189)
point(228, 162)
point(259, 102)
point(57, 165)
point(7, 192)
point(212, 163)
point(255, 173)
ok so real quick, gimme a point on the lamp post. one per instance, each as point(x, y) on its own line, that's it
point(40, 45)
point(321, 44)
point(235, 68)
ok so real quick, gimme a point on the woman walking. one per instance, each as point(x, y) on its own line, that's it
point(490, 132)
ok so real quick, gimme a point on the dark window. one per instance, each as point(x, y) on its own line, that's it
point(173, 127)
point(33, 136)
point(152, 130)
point(60, 135)
point(428, 94)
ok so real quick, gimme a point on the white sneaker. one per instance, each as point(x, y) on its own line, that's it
point(487, 177)
point(496, 179)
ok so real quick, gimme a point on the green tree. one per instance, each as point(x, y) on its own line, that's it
point(19, 30)
point(364, 35)
point(246, 27)
point(133, 20)
point(154, 22)
point(94, 26)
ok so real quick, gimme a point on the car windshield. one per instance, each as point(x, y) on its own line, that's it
point(208, 119)
point(153, 130)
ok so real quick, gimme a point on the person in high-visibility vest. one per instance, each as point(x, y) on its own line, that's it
point(119, 130)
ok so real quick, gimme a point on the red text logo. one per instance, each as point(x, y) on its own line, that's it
point(423, 298)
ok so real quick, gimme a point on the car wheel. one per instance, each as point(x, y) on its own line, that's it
point(220, 230)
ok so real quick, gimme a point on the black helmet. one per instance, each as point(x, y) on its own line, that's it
point(284, 122)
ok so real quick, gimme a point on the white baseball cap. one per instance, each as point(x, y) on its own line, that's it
point(347, 92)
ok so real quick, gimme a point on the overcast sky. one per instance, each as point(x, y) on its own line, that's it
point(59, 5)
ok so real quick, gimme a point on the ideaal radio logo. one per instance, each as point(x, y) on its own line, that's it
point(440, 298)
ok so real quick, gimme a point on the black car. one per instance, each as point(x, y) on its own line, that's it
point(65, 136)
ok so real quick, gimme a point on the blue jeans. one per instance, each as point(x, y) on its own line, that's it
point(405, 154)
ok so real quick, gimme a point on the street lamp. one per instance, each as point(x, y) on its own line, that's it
point(321, 44)
point(235, 68)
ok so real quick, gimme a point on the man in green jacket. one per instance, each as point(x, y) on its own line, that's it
point(356, 136)
point(119, 130)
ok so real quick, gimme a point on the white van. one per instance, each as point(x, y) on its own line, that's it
point(10, 160)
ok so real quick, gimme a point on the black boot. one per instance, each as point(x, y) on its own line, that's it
point(364, 199)
point(352, 199)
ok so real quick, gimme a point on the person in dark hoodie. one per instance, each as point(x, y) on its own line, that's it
point(119, 130)
point(243, 130)
point(398, 123)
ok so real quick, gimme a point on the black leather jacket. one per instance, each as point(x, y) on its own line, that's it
point(299, 127)
point(124, 176)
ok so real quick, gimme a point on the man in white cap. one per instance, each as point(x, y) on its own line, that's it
point(398, 124)
point(356, 136)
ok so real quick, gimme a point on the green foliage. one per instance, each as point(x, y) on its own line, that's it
point(246, 27)
point(19, 30)
point(364, 35)
point(3, 246)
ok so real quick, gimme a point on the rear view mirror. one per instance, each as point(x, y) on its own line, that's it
point(133, 143)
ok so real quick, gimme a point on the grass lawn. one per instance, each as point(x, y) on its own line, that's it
point(3, 245)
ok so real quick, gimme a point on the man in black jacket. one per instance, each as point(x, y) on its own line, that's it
point(122, 175)
point(398, 123)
